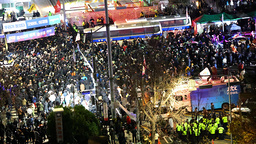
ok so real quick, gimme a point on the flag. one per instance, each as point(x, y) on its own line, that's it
point(78, 37)
point(32, 8)
point(78, 47)
point(57, 7)
point(144, 66)
point(186, 15)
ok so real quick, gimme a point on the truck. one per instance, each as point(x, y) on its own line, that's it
point(218, 94)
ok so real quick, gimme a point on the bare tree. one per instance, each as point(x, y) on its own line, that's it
point(161, 98)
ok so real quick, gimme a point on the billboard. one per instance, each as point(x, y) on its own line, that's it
point(217, 95)
point(28, 24)
point(29, 35)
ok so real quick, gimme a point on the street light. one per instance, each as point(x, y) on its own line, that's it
point(139, 94)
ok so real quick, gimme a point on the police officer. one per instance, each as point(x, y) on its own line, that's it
point(178, 129)
point(225, 122)
point(221, 133)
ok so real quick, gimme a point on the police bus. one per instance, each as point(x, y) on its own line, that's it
point(124, 31)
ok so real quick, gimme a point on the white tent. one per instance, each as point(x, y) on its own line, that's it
point(235, 27)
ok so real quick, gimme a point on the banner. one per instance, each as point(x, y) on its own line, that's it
point(28, 24)
point(2, 36)
point(39, 22)
point(35, 34)
point(54, 19)
point(14, 26)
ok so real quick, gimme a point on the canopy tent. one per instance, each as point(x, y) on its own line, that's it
point(205, 18)
point(252, 14)
point(235, 27)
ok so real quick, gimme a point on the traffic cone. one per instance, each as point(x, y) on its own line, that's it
point(212, 141)
point(158, 141)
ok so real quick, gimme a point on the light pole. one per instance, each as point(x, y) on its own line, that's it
point(64, 15)
point(139, 92)
point(109, 60)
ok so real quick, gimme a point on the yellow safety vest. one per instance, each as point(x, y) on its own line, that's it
point(225, 119)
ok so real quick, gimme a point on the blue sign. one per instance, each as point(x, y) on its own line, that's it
point(54, 19)
point(14, 26)
point(176, 28)
point(29, 35)
point(2, 36)
point(39, 22)
point(28, 24)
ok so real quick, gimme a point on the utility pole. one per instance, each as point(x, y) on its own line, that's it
point(109, 60)
point(229, 96)
point(64, 14)
point(95, 78)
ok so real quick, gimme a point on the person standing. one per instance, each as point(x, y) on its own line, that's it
point(2, 132)
point(112, 135)
point(221, 133)
point(34, 100)
point(84, 24)
point(92, 22)
point(50, 13)
point(38, 13)
point(46, 108)
point(8, 114)
point(102, 20)
point(225, 122)
point(3, 15)
point(134, 131)
point(40, 108)
point(212, 110)
point(196, 113)
point(24, 103)
point(20, 112)
point(178, 129)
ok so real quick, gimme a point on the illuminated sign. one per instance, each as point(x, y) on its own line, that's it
point(28, 24)
point(29, 35)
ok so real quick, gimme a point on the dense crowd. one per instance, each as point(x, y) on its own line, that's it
point(52, 71)
point(47, 72)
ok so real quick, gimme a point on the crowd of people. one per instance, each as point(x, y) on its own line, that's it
point(47, 72)
point(52, 71)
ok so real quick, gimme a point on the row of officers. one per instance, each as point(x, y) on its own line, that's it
point(195, 131)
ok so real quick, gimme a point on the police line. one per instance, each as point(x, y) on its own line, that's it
point(28, 24)
point(29, 35)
